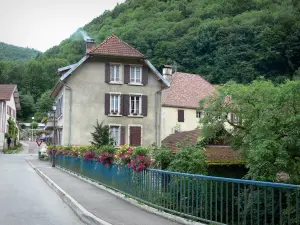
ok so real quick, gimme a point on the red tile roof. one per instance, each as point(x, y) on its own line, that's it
point(186, 90)
point(6, 90)
point(114, 46)
point(214, 153)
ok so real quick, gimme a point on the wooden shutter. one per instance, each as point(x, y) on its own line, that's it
point(180, 115)
point(145, 105)
point(107, 72)
point(126, 74)
point(121, 105)
point(135, 136)
point(125, 105)
point(107, 104)
point(122, 141)
point(145, 75)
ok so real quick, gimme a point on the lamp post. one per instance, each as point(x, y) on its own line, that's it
point(54, 135)
point(32, 128)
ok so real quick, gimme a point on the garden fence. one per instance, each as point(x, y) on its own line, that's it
point(204, 198)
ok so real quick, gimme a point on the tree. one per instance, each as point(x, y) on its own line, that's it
point(267, 128)
point(27, 107)
point(101, 135)
point(44, 104)
point(34, 125)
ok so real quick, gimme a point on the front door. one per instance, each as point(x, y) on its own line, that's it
point(135, 136)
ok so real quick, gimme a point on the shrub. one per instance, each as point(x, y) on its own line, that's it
point(140, 162)
point(123, 155)
point(107, 154)
point(162, 157)
point(89, 155)
point(190, 159)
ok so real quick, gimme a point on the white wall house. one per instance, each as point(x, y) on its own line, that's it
point(181, 100)
point(9, 104)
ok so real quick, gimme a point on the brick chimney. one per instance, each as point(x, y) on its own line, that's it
point(90, 44)
point(167, 73)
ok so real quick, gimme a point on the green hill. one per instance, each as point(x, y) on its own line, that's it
point(223, 40)
point(220, 39)
point(11, 52)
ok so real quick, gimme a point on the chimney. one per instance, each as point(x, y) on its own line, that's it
point(90, 44)
point(167, 73)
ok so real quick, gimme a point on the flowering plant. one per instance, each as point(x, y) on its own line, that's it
point(123, 155)
point(106, 158)
point(140, 162)
point(89, 155)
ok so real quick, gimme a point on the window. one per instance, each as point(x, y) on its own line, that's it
point(235, 119)
point(114, 132)
point(59, 104)
point(115, 73)
point(135, 106)
point(114, 104)
point(198, 114)
point(180, 115)
point(135, 74)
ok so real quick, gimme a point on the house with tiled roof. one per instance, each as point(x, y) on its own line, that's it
point(181, 100)
point(113, 83)
point(9, 104)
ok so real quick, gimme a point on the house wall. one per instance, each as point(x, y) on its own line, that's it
point(11, 104)
point(88, 103)
point(169, 119)
point(2, 124)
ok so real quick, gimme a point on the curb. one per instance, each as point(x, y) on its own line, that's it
point(79, 210)
point(135, 202)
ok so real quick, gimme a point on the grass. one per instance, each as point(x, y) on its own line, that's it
point(16, 149)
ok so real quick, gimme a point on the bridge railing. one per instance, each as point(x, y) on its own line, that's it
point(204, 198)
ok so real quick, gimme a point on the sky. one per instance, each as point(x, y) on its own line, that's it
point(41, 24)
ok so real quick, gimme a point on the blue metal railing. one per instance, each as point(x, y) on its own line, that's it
point(204, 198)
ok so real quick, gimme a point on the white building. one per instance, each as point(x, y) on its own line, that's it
point(9, 103)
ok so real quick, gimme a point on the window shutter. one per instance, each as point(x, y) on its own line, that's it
point(180, 115)
point(107, 104)
point(107, 72)
point(122, 141)
point(121, 105)
point(145, 75)
point(125, 105)
point(145, 105)
point(126, 74)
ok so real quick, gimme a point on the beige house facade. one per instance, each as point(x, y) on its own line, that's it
point(180, 102)
point(114, 84)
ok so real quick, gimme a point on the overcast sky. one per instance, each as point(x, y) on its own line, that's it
point(41, 24)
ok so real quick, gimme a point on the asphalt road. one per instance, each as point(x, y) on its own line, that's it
point(25, 199)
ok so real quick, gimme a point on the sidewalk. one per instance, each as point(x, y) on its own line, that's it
point(102, 204)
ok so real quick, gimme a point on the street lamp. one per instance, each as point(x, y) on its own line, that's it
point(54, 135)
point(32, 128)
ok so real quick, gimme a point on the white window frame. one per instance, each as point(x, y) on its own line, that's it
point(134, 75)
point(117, 142)
point(114, 65)
point(135, 107)
point(128, 132)
point(118, 106)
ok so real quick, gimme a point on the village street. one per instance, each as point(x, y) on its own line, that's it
point(25, 198)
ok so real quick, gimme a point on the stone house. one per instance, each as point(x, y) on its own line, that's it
point(113, 83)
point(9, 104)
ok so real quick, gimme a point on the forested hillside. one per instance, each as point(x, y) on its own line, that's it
point(11, 52)
point(221, 39)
